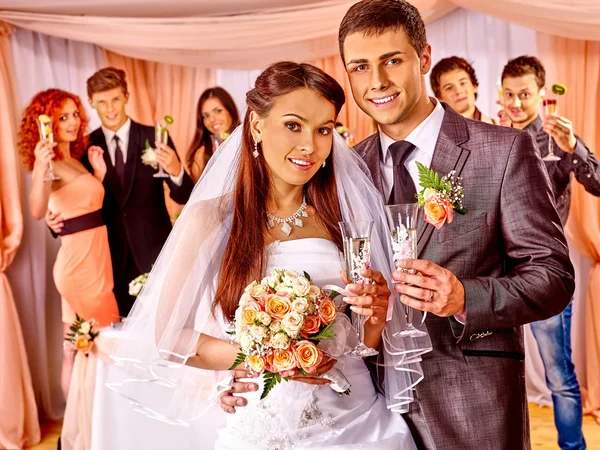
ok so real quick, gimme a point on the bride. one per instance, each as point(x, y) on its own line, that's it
point(284, 161)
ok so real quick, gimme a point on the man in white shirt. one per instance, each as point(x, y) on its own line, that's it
point(134, 208)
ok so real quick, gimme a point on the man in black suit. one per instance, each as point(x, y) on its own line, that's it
point(134, 209)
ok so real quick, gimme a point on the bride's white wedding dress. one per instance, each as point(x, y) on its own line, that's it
point(300, 416)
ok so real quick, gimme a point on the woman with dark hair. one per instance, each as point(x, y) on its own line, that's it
point(82, 271)
point(285, 162)
point(216, 117)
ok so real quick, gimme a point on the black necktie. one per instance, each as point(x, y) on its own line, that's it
point(404, 189)
point(119, 164)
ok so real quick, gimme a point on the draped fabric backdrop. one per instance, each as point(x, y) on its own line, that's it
point(41, 62)
point(576, 63)
point(19, 424)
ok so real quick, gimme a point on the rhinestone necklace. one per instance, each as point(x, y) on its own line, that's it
point(294, 219)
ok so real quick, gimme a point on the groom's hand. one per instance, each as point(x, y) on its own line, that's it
point(167, 158)
point(432, 288)
point(228, 401)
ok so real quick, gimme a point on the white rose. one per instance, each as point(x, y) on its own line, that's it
point(285, 290)
point(313, 293)
point(275, 326)
point(246, 341)
point(258, 332)
point(301, 286)
point(300, 305)
point(291, 274)
point(292, 323)
point(250, 286)
point(264, 318)
point(280, 341)
point(85, 328)
point(245, 299)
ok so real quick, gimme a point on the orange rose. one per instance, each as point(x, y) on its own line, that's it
point(438, 211)
point(308, 356)
point(256, 363)
point(83, 344)
point(277, 306)
point(327, 311)
point(311, 326)
point(248, 316)
point(282, 360)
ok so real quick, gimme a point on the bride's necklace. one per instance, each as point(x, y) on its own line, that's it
point(294, 219)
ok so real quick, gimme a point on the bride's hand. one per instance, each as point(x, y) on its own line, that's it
point(229, 401)
point(371, 299)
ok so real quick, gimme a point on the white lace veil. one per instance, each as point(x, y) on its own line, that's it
point(174, 307)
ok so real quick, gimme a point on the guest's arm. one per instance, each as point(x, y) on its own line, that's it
point(40, 190)
point(579, 159)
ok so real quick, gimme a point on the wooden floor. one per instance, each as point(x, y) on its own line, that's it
point(543, 433)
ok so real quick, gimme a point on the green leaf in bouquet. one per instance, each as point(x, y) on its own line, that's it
point(230, 332)
point(239, 360)
point(271, 379)
point(307, 276)
point(325, 333)
point(148, 144)
point(303, 372)
point(333, 294)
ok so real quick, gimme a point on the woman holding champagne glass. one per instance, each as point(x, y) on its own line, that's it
point(82, 271)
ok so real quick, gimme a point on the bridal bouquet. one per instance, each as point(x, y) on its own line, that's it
point(136, 285)
point(279, 323)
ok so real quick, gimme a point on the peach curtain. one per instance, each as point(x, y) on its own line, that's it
point(576, 63)
point(158, 89)
point(359, 124)
point(575, 19)
point(235, 39)
point(19, 425)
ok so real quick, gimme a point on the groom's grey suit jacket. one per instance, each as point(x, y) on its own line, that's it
point(510, 254)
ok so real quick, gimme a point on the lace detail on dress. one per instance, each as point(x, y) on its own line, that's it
point(312, 416)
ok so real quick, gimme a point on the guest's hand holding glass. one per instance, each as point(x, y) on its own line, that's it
point(550, 110)
point(561, 130)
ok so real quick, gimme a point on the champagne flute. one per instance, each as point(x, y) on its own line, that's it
point(161, 134)
point(402, 219)
point(550, 109)
point(45, 130)
point(357, 253)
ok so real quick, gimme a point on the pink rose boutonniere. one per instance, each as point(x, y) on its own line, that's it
point(439, 197)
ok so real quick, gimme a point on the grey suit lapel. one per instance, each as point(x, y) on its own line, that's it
point(447, 156)
point(369, 151)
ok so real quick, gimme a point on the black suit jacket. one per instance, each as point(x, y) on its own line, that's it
point(136, 215)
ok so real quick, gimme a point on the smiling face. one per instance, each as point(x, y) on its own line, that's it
point(296, 136)
point(110, 106)
point(522, 99)
point(458, 91)
point(387, 76)
point(69, 122)
point(215, 117)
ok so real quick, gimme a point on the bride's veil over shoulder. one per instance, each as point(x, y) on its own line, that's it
point(176, 305)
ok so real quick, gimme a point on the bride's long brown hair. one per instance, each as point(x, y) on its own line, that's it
point(244, 258)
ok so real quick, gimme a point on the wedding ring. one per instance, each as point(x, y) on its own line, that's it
point(430, 296)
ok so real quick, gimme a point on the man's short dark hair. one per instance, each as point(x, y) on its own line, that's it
point(525, 65)
point(375, 17)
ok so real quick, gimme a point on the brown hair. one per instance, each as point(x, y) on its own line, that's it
point(203, 137)
point(448, 65)
point(525, 65)
point(50, 103)
point(105, 80)
point(375, 17)
point(244, 257)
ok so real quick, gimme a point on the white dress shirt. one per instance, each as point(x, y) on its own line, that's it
point(423, 137)
point(123, 135)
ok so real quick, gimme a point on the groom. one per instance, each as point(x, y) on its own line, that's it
point(503, 264)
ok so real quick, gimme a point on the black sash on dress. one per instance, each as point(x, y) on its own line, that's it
point(82, 223)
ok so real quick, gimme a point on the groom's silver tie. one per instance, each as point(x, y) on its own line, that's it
point(404, 188)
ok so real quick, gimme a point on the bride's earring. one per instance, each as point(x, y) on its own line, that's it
point(324, 162)
point(255, 152)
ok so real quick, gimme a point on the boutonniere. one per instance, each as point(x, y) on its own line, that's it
point(149, 156)
point(439, 197)
point(81, 336)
